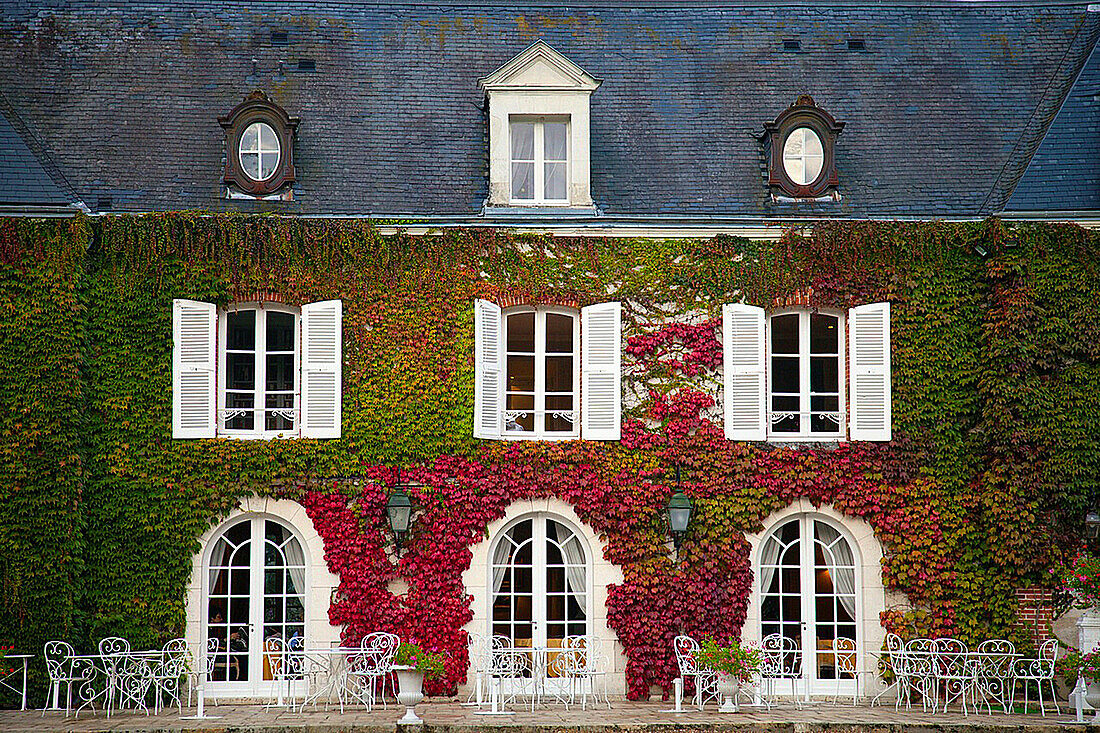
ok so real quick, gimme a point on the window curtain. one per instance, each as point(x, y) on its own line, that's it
point(574, 559)
point(296, 565)
point(841, 564)
point(217, 560)
point(768, 560)
point(500, 557)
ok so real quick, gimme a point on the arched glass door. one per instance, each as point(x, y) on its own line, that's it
point(539, 574)
point(256, 589)
point(809, 593)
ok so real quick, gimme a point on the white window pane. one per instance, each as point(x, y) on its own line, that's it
point(812, 143)
point(268, 140)
point(523, 141)
point(554, 140)
point(251, 164)
point(250, 137)
point(523, 181)
point(795, 170)
point(812, 168)
point(268, 161)
point(555, 181)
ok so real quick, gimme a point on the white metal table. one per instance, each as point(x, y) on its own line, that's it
point(7, 682)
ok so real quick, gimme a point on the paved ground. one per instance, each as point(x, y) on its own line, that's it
point(625, 716)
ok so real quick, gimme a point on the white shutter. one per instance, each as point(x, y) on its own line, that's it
point(322, 342)
point(488, 371)
point(744, 370)
point(601, 371)
point(869, 362)
point(194, 360)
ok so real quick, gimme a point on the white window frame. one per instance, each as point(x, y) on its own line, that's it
point(804, 375)
point(259, 391)
point(540, 433)
point(540, 121)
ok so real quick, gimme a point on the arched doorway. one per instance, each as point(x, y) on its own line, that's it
point(810, 593)
point(256, 589)
point(539, 574)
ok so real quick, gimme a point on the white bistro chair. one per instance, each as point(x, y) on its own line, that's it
point(703, 679)
point(1040, 671)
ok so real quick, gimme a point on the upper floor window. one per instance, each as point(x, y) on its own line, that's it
point(259, 378)
point(547, 372)
point(805, 388)
point(256, 370)
point(259, 140)
point(785, 376)
point(539, 131)
point(541, 383)
point(800, 146)
point(540, 160)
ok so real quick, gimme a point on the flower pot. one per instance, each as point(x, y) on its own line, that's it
point(1092, 694)
point(410, 691)
point(727, 685)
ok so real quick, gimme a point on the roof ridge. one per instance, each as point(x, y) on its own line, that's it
point(37, 149)
point(1030, 138)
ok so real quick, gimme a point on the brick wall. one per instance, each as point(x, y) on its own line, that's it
point(1035, 612)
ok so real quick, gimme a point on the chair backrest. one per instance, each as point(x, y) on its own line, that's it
point(175, 659)
point(114, 645)
point(779, 657)
point(56, 652)
point(212, 647)
point(1048, 651)
point(686, 649)
point(378, 650)
point(275, 652)
point(952, 658)
point(844, 653)
point(995, 658)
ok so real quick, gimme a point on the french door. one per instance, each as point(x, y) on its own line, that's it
point(256, 582)
point(809, 593)
point(539, 581)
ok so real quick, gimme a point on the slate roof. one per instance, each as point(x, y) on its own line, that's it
point(942, 111)
point(24, 180)
point(1064, 173)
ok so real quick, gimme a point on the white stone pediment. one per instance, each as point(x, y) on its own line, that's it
point(539, 67)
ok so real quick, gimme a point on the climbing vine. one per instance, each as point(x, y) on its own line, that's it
point(996, 395)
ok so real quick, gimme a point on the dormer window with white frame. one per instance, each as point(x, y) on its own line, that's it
point(539, 131)
point(785, 376)
point(256, 370)
point(547, 373)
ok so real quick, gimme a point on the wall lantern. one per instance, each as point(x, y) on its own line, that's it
point(399, 511)
point(1092, 523)
point(679, 512)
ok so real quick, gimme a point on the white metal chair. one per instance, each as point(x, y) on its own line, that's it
point(993, 668)
point(919, 662)
point(480, 651)
point(173, 666)
point(370, 668)
point(59, 668)
point(206, 664)
point(581, 665)
point(957, 672)
point(844, 663)
point(780, 660)
point(704, 679)
point(1040, 671)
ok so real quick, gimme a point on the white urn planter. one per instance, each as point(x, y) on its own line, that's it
point(410, 691)
point(727, 686)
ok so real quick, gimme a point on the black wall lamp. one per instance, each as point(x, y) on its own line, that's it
point(399, 510)
point(678, 512)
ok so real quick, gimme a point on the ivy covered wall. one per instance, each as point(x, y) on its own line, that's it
point(996, 395)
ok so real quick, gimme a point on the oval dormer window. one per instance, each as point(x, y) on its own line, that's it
point(803, 156)
point(259, 151)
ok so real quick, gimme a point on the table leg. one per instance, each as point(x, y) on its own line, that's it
point(23, 703)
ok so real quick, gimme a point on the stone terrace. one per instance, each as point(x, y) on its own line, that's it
point(625, 716)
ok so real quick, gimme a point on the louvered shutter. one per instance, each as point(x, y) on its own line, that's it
point(744, 369)
point(194, 360)
point(322, 342)
point(488, 371)
point(601, 371)
point(869, 362)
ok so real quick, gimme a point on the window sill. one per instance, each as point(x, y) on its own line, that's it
point(528, 211)
point(229, 435)
point(540, 438)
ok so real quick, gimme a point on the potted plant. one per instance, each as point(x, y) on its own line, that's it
point(732, 665)
point(413, 664)
point(1078, 666)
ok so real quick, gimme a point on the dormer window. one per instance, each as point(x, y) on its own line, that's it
point(259, 155)
point(540, 160)
point(800, 146)
point(539, 131)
